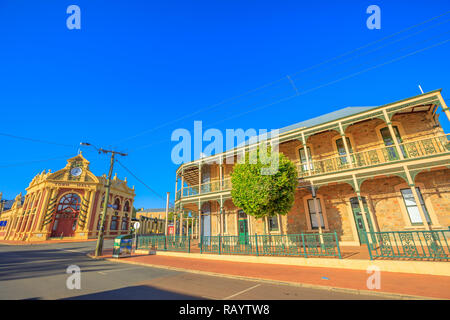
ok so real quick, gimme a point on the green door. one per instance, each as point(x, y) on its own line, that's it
point(359, 219)
point(243, 231)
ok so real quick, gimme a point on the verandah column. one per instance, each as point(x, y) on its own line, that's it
point(305, 148)
point(199, 219)
point(344, 140)
point(181, 221)
point(220, 175)
point(444, 106)
point(199, 177)
point(416, 198)
point(221, 215)
point(393, 135)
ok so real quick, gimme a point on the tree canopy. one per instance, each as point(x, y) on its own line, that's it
point(260, 194)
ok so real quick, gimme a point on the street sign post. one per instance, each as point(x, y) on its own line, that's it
point(136, 226)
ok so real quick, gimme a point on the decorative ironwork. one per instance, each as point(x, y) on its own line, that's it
point(408, 245)
point(418, 245)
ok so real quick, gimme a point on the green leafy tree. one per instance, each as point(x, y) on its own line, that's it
point(262, 195)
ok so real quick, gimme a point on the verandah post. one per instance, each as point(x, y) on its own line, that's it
point(304, 247)
point(337, 244)
point(256, 244)
point(369, 247)
point(220, 242)
point(189, 240)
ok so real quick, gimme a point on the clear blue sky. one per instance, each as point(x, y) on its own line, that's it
point(135, 65)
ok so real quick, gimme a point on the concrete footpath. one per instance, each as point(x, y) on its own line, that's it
point(392, 284)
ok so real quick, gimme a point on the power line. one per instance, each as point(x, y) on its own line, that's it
point(34, 161)
point(35, 140)
point(281, 79)
point(314, 88)
point(138, 179)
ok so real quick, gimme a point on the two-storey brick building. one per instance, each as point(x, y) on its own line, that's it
point(378, 168)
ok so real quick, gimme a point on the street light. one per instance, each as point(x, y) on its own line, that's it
point(99, 246)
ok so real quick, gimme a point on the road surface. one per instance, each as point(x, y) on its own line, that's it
point(39, 272)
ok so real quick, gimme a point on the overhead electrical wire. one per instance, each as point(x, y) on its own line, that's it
point(311, 89)
point(153, 129)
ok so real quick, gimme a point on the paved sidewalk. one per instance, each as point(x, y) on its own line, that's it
point(398, 284)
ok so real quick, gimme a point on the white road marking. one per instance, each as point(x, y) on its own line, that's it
point(240, 292)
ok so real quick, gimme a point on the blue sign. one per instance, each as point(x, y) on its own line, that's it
point(3, 223)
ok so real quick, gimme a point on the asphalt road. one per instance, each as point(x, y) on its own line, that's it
point(39, 272)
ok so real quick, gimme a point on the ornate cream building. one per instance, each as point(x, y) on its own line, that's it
point(382, 168)
point(68, 204)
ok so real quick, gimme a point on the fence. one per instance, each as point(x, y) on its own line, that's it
point(163, 243)
point(416, 245)
point(303, 244)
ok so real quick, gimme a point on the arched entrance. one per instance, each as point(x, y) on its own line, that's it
point(66, 216)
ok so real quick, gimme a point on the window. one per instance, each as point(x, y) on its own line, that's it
point(126, 207)
point(114, 220)
point(116, 205)
point(312, 213)
point(69, 204)
point(411, 206)
point(389, 141)
point(301, 152)
point(273, 223)
point(341, 149)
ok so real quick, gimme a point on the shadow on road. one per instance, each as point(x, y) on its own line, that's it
point(32, 263)
point(135, 293)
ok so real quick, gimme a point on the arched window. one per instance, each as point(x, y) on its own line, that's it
point(69, 204)
point(126, 207)
point(116, 205)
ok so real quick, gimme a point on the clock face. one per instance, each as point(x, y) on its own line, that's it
point(76, 171)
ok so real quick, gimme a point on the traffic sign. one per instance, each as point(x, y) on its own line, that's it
point(137, 225)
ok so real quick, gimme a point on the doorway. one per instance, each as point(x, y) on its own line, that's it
point(243, 227)
point(359, 219)
point(66, 216)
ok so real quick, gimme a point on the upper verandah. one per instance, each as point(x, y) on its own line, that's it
point(336, 120)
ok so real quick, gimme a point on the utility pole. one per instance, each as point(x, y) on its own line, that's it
point(167, 214)
point(99, 246)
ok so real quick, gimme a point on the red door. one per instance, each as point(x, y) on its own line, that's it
point(66, 217)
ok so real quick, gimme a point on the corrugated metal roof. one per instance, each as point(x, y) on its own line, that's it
point(341, 113)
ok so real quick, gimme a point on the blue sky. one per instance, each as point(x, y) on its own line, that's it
point(137, 65)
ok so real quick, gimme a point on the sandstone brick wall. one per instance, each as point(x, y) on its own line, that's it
point(385, 201)
point(437, 190)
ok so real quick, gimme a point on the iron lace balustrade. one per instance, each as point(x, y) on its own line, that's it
point(163, 243)
point(304, 244)
point(205, 188)
point(410, 150)
point(416, 245)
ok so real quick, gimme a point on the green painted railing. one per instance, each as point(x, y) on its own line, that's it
point(385, 154)
point(417, 245)
point(305, 244)
point(163, 243)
